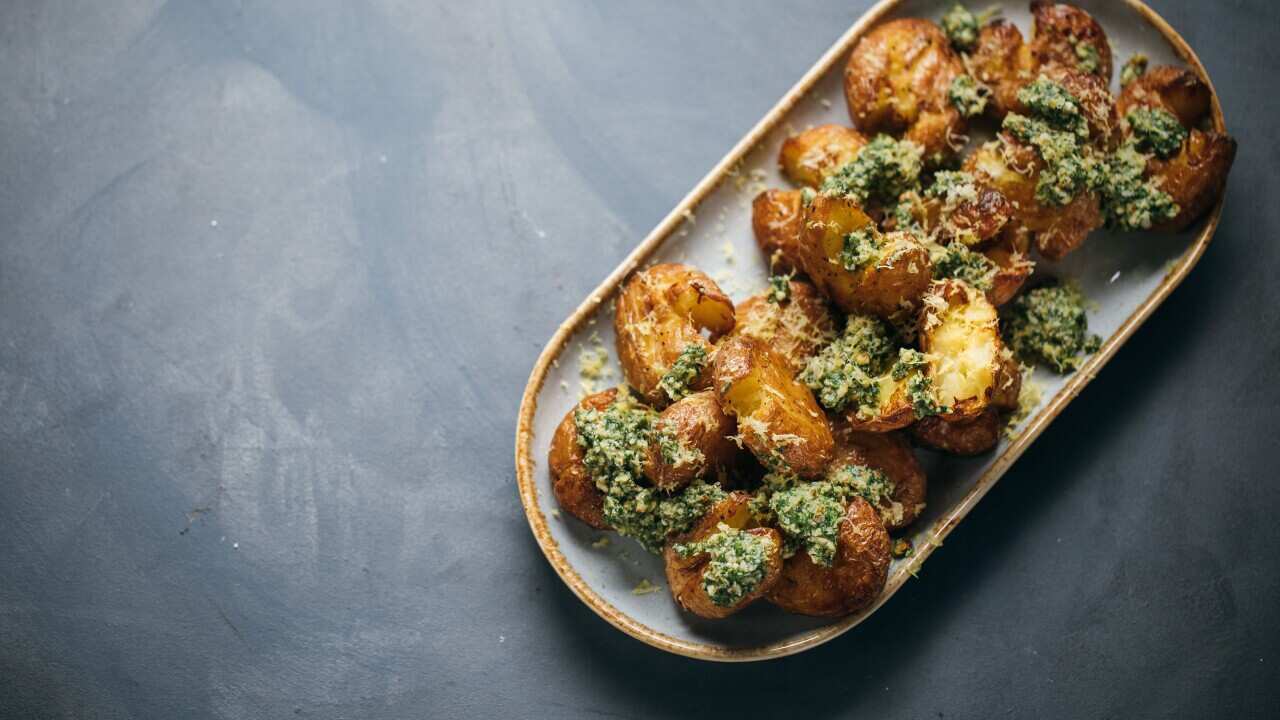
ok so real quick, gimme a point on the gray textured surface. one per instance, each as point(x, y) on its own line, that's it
point(272, 276)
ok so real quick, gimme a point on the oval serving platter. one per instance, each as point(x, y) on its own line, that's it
point(1126, 276)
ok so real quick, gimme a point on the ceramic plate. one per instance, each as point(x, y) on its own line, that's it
point(1127, 277)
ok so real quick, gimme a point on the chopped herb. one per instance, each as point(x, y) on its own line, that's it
point(809, 514)
point(961, 27)
point(674, 452)
point(860, 247)
point(1156, 130)
point(683, 371)
point(1133, 69)
point(1048, 101)
point(779, 289)
point(968, 95)
point(1130, 202)
point(883, 169)
point(807, 195)
point(846, 370)
point(910, 367)
point(1087, 57)
point(739, 562)
point(1049, 325)
point(959, 262)
point(859, 480)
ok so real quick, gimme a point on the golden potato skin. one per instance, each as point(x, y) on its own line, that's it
point(1056, 230)
point(1008, 383)
point(796, 328)
point(660, 311)
point(778, 419)
point(684, 575)
point(571, 482)
point(1196, 176)
point(1013, 267)
point(891, 454)
point(897, 81)
point(776, 219)
point(808, 157)
point(1175, 90)
point(960, 333)
point(881, 288)
point(895, 411)
point(972, 436)
point(697, 422)
point(856, 576)
point(1059, 28)
point(1002, 62)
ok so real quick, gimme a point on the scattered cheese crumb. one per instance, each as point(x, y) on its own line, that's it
point(1114, 277)
point(213, 223)
point(602, 543)
point(555, 513)
point(644, 587)
point(593, 365)
point(1029, 396)
point(727, 249)
point(825, 103)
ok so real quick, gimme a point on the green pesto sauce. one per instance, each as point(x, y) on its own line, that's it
point(779, 289)
point(1133, 69)
point(809, 513)
point(1156, 131)
point(845, 371)
point(674, 452)
point(738, 563)
point(614, 443)
point(1087, 57)
point(959, 262)
point(968, 95)
point(1049, 325)
point(910, 366)
point(881, 171)
point(862, 246)
point(1130, 202)
point(961, 27)
point(1052, 103)
point(683, 371)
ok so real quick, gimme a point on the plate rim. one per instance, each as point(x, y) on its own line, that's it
point(942, 527)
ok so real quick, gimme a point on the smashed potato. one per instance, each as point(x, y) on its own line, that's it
point(1013, 267)
point(898, 80)
point(891, 454)
point(971, 436)
point(571, 481)
point(795, 326)
point(809, 157)
point(856, 266)
point(853, 581)
point(693, 439)
point(778, 419)
point(1178, 91)
point(1002, 62)
point(776, 219)
point(688, 572)
point(1067, 37)
point(960, 337)
point(660, 315)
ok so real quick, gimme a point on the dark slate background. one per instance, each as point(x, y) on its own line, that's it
point(273, 274)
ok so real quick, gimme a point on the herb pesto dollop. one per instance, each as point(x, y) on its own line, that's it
point(882, 170)
point(1057, 129)
point(1156, 131)
point(957, 261)
point(961, 27)
point(1134, 68)
point(1049, 325)
point(683, 371)
point(809, 513)
point(738, 563)
point(1130, 202)
point(779, 289)
point(846, 370)
point(968, 95)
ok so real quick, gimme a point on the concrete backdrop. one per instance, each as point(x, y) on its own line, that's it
point(273, 274)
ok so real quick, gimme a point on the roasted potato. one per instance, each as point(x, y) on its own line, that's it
point(972, 436)
point(1007, 386)
point(796, 328)
point(960, 336)
point(894, 412)
point(685, 574)
point(1002, 62)
point(660, 315)
point(693, 440)
point(898, 80)
point(1013, 168)
point(778, 419)
point(891, 454)
point(807, 158)
point(1196, 175)
point(776, 218)
point(853, 581)
point(1013, 266)
point(571, 482)
point(1067, 37)
point(885, 284)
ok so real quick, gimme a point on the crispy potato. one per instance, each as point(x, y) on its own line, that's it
point(660, 313)
point(1175, 90)
point(778, 419)
point(1008, 383)
point(884, 286)
point(777, 217)
point(960, 334)
point(898, 80)
point(966, 437)
point(855, 578)
point(571, 482)
point(891, 454)
point(702, 430)
point(1013, 168)
point(809, 157)
point(1067, 37)
point(795, 328)
point(895, 411)
point(1013, 267)
point(1002, 62)
point(1196, 175)
point(684, 575)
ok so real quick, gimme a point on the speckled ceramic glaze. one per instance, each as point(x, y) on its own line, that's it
point(1128, 276)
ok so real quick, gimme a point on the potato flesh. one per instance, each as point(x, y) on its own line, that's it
point(963, 350)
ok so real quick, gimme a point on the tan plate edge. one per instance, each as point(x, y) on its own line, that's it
point(943, 526)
